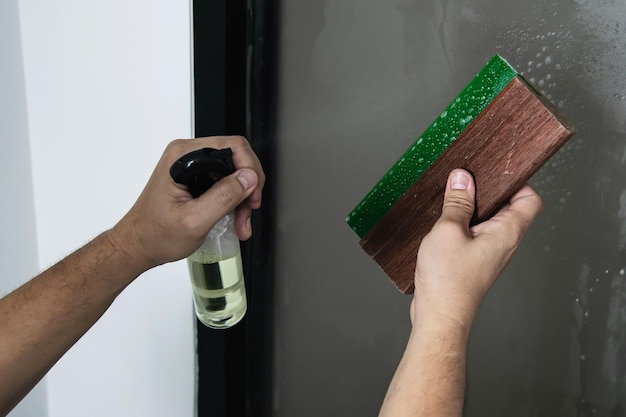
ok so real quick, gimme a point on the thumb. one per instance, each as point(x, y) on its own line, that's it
point(459, 198)
point(225, 196)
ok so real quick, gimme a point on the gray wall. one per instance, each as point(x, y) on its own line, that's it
point(359, 81)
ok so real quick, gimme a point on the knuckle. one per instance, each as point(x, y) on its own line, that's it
point(509, 236)
point(188, 227)
point(239, 141)
point(540, 205)
point(176, 144)
point(459, 203)
point(188, 224)
point(175, 149)
point(226, 194)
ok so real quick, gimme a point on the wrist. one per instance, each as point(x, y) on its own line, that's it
point(430, 379)
point(128, 251)
point(429, 318)
point(441, 335)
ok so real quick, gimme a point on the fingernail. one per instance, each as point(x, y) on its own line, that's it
point(459, 181)
point(246, 178)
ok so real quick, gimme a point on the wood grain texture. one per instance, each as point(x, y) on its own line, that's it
point(502, 148)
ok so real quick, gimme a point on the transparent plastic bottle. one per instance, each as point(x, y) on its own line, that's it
point(217, 277)
point(215, 268)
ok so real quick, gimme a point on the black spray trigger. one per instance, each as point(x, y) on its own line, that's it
point(202, 168)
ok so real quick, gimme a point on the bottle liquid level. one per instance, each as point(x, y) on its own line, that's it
point(219, 291)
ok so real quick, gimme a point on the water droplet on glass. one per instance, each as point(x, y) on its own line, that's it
point(622, 272)
point(582, 358)
point(548, 60)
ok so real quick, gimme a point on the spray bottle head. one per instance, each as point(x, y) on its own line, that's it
point(202, 168)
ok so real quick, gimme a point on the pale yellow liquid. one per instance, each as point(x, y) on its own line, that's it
point(219, 291)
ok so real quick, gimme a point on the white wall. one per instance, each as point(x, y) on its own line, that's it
point(107, 87)
point(18, 244)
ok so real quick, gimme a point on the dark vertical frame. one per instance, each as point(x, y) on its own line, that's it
point(234, 70)
point(219, 109)
point(261, 111)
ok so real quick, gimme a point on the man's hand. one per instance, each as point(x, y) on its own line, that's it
point(167, 224)
point(456, 263)
point(43, 318)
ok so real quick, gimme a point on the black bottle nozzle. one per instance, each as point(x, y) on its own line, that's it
point(202, 168)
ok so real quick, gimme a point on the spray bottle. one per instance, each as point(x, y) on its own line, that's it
point(215, 268)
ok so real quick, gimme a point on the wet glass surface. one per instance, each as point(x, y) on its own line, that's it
point(359, 82)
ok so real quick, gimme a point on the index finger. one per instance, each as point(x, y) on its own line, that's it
point(526, 205)
point(512, 221)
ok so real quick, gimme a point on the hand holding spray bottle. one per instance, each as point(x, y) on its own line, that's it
point(215, 268)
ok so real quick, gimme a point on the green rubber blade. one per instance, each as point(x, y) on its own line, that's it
point(483, 88)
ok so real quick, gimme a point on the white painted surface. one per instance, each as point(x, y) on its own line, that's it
point(107, 87)
point(18, 241)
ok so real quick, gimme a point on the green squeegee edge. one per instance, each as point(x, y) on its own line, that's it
point(472, 100)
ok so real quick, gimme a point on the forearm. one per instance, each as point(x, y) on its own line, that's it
point(456, 265)
point(42, 319)
point(430, 379)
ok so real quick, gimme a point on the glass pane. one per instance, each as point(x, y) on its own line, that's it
point(358, 82)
